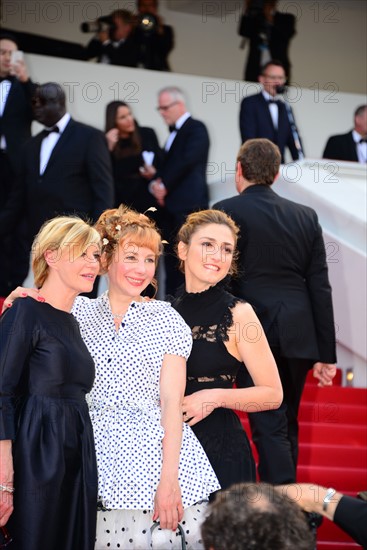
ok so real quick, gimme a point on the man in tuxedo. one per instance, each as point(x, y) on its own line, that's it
point(180, 186)
point(283, 273)
point(351, 146)
point(264, 115)
point(65, 169)
point(16, 89)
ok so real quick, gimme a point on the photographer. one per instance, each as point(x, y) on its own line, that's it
point(114, 43)
point(269, 33)
point(154, 40)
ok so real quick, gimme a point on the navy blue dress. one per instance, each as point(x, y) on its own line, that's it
point(210, 365)
point(46, 370)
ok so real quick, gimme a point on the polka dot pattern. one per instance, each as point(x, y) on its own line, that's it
point(124, 403)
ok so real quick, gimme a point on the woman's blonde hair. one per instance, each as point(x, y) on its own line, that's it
point(60, 233)
point(196, 220)
point(123, 224)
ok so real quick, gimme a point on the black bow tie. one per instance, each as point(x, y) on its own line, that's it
point(363, 140)
point(275, 101)
point(45, 133)
point(172, 128)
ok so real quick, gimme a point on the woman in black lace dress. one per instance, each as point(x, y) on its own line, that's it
point(227, 336)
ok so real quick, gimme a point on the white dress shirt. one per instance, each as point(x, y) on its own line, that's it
point(179, 122)
point(273, 108)
point(5, 86)
point(49, 142)
point(361, 147)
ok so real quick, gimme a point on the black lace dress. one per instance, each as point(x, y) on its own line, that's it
point(210, 365)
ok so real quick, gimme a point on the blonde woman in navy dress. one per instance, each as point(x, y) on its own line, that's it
point(46, 370)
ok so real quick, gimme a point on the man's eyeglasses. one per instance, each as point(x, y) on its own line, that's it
point(5, 537)
point(166, 107)
point(274, 77)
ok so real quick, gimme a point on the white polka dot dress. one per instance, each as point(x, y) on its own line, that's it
point(124, 404)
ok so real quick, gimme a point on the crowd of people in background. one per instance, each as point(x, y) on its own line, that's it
point(164, 370)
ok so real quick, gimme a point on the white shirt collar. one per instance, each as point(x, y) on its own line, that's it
point(180, 121)
point(356, 136)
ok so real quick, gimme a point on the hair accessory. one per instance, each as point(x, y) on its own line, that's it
point(151, 209)
point(118, 227)
point(105, 241)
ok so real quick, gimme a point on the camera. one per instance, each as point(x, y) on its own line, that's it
point(104, 23)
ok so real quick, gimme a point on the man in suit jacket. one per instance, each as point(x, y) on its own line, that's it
point(16, 89)
point(264, 116)
point(65, 169)
point(180, 187)
point(351, 146)
point(269, 32)
point(283, 274)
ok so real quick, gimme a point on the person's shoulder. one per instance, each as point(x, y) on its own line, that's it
point(164, 308)
point(252, 99)
point(341, 137)
point(85, 128)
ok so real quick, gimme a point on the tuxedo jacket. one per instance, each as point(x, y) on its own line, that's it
point(283, 272)
point(77, 179)
point(15, 122)
point(341, 147)
point(256, 122)
point(280, 34)
point(183, 170)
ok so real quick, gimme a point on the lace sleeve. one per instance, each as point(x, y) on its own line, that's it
point(227, 320)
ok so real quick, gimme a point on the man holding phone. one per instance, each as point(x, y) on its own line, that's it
point(16, 90)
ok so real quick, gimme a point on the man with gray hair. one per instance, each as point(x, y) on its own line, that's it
point(351, 146)
point(180, 187)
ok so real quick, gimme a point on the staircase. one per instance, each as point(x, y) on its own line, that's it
point(332, 447)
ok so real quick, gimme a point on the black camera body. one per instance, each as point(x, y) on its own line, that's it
point(104, 23)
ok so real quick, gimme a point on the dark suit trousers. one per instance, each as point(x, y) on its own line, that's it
point(275, 432)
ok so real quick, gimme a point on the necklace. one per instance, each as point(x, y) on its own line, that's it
point(118, 315)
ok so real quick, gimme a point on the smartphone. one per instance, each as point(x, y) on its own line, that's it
point(16, 56)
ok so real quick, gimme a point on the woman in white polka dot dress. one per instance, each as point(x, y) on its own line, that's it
point(150, 464)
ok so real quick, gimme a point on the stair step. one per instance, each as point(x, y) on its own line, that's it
point(318, 454)
point(353, 479)
point(332, 412)
point(335, 394)
point(323, 432)
point(328, 545)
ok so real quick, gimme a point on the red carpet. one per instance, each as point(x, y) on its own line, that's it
point(333, 447)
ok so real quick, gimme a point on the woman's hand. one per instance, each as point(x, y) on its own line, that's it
point(199, 405)
point(168, 507)
point(148, 171)
point(112, 137)
point(21, 292)
point(6, 480)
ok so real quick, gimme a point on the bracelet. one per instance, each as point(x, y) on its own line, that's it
point(329, 495)
point(6, 489)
